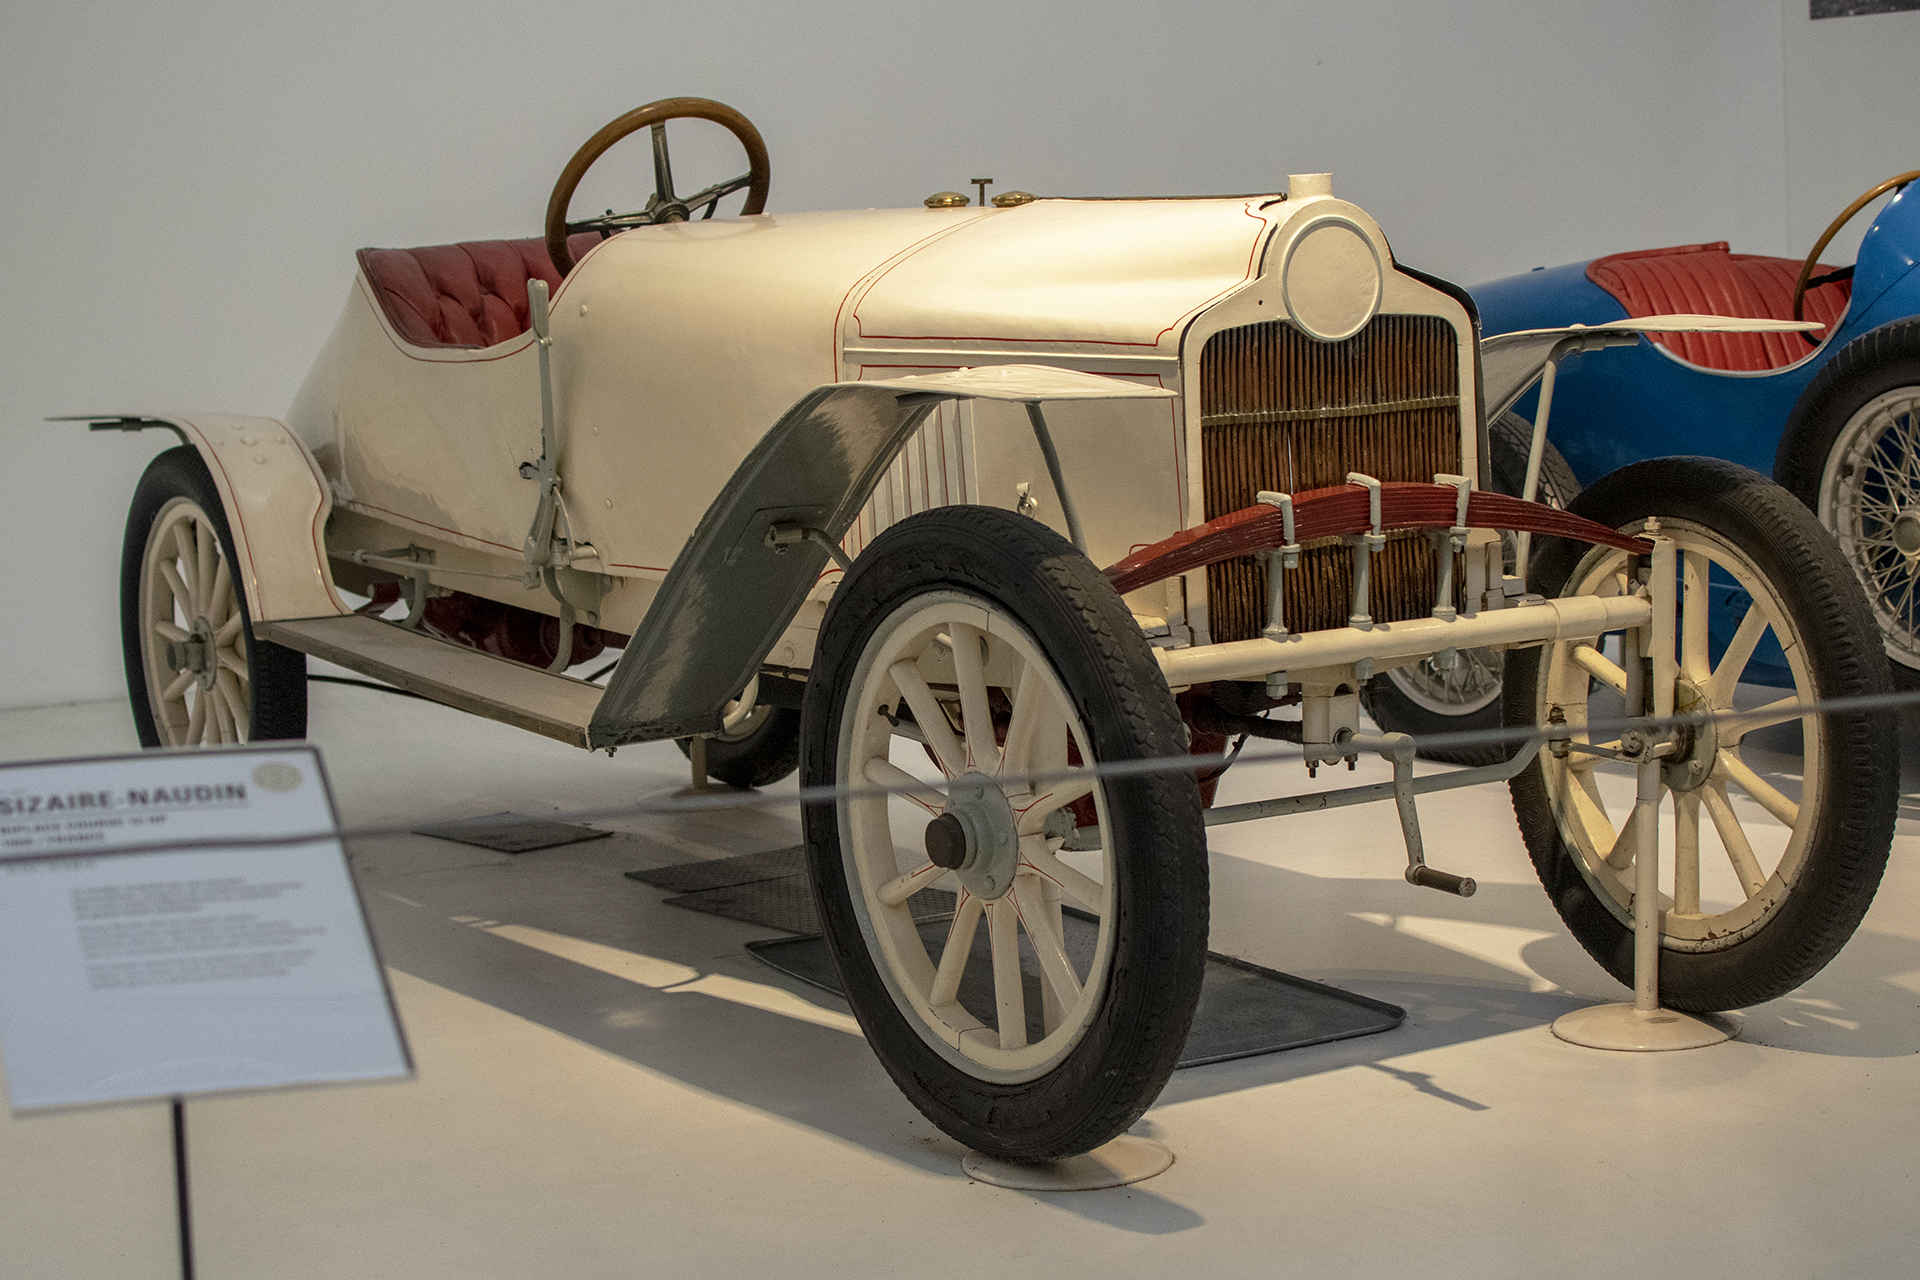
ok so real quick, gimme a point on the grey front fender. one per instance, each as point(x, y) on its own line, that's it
point(731, 593)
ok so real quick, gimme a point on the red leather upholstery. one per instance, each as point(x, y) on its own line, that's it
point(463, 295)
point(1704, 279)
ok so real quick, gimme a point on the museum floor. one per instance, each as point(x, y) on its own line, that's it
point(613, 1087)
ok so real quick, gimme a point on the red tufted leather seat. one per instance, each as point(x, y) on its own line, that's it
point(463, 295)
point(1704, 279)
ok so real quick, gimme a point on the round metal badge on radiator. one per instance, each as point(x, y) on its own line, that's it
point(1331, 279)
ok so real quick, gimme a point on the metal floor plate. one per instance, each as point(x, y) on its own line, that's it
point(511, 833)
point(1244, 1009)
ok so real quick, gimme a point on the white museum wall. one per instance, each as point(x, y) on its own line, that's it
point(185, 184)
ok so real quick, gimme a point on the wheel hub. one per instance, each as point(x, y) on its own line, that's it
point(977, 838)
point(196, 653)
point(1695, 746)
point(1906, 533)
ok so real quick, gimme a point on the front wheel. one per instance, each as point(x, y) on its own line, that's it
point(973, 663)
point(196, 676)
point(1763, 881)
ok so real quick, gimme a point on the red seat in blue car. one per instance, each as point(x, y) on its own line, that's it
point(1704, 279)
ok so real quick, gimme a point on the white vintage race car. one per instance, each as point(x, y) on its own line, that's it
point(948, 505)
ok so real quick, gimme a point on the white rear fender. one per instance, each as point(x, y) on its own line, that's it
point(276, 507)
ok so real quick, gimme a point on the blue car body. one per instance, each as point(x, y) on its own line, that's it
point(1612, 408)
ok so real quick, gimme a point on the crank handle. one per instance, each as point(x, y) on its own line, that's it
point(1445, 881)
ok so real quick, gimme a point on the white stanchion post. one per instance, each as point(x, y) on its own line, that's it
point(1643, 1025)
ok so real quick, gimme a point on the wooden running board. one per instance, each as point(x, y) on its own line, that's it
point(556, 706)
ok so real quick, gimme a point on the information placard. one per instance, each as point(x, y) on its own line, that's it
point(185, 922)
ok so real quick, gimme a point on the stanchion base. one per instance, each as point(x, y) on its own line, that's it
point(1125, 1160)
point(1623, 1027)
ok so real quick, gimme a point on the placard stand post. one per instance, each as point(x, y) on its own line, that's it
point(180, 1186)
point(1644, 1026)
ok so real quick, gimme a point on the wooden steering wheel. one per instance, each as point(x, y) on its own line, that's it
point(663, 205)
point(1833, 229)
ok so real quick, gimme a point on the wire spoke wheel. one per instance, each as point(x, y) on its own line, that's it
point(1021, 941)
point(1869, 498)
point(195, 673)
point(1762, 880)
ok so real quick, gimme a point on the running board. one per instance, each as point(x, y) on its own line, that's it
point(510, 692)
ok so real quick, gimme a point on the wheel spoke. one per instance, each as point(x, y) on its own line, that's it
point(1083, 890)
point(932, 720)
point(196, 721)
point(1032, 700)
point(189, 569)
point(1037, 916)
point(203, 568)
point(167, 631)
point(177, 691)
point(228, 708)
point(1599, 666)
point(1734, 837)
point(1695, 664)
point(182, 593)
point(885, 773)
point(898, 890)
point(220, 599)
point(1734, 769)
point(1686, 852)
point(976, 720)
point(1588, 810)
point(1061, 792)
point(1739, 652)
point(228, 630)
point(1009, 999)
point(959, 945)
point(1626, 844)
point(1732, 731)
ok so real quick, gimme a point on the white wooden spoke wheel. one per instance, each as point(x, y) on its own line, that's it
point(1762, 881)
point(195, 674)
point(972, 668)
point(989, 830)
point(195, 654)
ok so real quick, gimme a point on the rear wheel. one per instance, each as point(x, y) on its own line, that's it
point(763, 749)
point(1044, 1015)
point(1428, 697)
point(196, 676)
point(1851, 452)
point(1763, 881)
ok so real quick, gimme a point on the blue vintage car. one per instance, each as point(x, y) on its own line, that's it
point(1834, 415)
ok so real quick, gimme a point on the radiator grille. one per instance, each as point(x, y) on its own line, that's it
point(1282, 411)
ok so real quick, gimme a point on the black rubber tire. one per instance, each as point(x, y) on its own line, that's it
point(277, 676)
point(1134, 1037)
point(1883, 360)
point(1858, 782)
point(1389, 696)
point(760, 756)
